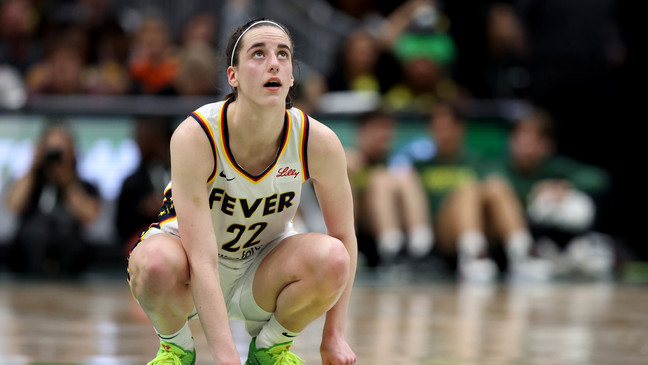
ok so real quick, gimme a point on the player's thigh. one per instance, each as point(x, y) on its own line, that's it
point(298, 257)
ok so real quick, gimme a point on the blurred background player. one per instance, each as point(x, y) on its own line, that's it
point(472, 205)
point(391, 210)
point(561, 196)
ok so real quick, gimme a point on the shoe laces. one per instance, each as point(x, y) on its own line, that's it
point(282, 356)
point(169, 357)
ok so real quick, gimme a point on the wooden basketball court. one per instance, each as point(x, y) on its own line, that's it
point(391, 321)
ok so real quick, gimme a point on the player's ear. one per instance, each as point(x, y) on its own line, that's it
point(292, 80)
point(232, 76)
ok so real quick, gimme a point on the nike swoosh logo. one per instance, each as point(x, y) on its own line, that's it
point(287, 335)
point(222, 174)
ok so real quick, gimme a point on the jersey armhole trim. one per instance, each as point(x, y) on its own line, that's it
point(304, 144)
point(210, 135)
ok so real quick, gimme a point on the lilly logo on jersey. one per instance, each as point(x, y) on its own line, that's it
point(287, 172)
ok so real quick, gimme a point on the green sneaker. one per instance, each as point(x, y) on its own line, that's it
point(276, 355)
point(170, 354)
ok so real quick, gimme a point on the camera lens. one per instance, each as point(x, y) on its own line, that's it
point(53, 155)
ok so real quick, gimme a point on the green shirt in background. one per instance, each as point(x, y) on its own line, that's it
point(440, 176)
point(591, 180)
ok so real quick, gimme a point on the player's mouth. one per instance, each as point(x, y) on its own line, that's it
point(273, 84)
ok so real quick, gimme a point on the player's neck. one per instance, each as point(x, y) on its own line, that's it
point(252, 127)
point(255, 118)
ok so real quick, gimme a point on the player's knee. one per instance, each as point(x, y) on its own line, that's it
point(495, 187)
point(332, 264)
point(156, 271)
point(381, 181)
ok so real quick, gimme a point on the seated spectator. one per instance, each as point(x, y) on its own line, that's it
point(471, 205)
point(425, 59)
point(197, 57)
point(506, 70)
point(154, 63)
point(416, 33)
point(559, 194)
point(493, 49)
point(358, 65)
point(139, 201)
point(366, 59)
point(53, 205)
point(67, 71)
point(308, 90)
point(107, 75)
point(390, 209)
point(362, 72)
point(199, 29)
point(197, 73)
point(60, 73)
point(17, 46)
point(96, 31)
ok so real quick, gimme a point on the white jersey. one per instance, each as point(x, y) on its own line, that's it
point(248, 211)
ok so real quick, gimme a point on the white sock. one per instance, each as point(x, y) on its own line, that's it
point(518, 245)
point(182, 338)
point(273, 333)
point(421, 241)
point(390, 243)
point(471, 244)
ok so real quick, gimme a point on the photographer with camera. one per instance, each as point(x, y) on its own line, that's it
point(52, 204)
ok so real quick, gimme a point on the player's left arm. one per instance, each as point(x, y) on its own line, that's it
point(328, 171)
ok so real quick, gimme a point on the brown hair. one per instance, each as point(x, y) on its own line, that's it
point(458, 113)
point(541, 119)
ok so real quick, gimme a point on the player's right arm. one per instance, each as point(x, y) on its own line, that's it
point(192, 163)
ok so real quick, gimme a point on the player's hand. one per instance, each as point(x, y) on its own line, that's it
point(554, 189)
point(336, 351)
point(62, 174)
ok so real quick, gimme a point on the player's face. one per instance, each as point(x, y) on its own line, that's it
point(447, 132)
point(376, 137)
point(528, 146)
point(264, 72)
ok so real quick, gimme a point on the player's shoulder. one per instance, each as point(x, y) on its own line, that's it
point(192, 130)
point(319, 131)
point(204, 119)
point(210, 111)
point(323, 142)
point(188, 134)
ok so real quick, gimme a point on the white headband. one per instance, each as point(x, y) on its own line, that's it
point(248, 28)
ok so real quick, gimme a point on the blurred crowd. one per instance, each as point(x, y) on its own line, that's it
point(544, 205)
point(91, 47)
point(412, 54)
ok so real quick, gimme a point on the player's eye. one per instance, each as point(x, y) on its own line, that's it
point(283, 55)
point(257, 54)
